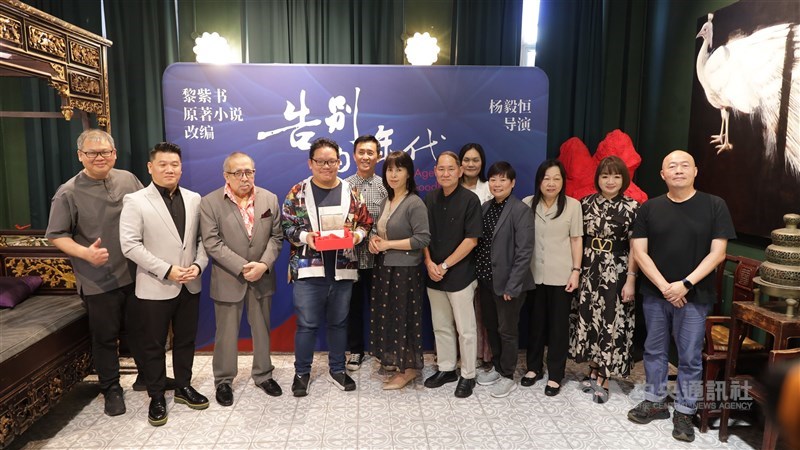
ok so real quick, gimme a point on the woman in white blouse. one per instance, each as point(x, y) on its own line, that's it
point(556, 263)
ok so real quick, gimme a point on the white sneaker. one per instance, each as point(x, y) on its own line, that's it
point(487, 377)
point(354, 362)
point(503, 387)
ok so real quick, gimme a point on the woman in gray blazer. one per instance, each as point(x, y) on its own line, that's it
point(502, 263)
point(398, 280)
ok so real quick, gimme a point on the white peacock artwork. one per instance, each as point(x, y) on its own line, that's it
point(745, 76)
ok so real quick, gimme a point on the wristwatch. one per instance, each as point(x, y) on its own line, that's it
point(687, 284)
point(444, 265)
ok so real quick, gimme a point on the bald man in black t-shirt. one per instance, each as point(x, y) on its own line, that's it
point(678, 240)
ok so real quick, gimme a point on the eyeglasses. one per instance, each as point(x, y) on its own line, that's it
point(331, 162)
point(241, 174)
point(103, 153)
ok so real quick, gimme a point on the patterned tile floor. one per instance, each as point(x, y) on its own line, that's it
point(370, 417)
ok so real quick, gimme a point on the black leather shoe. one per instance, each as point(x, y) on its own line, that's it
point(271, 387)
point(191, 398)
point(224, 394)
point(440, 378)
point(465, 387)
point(551, 391)
point(114, 401)
point(139, 385)
point(157, 414)
point(300, 385)
point(528, 381)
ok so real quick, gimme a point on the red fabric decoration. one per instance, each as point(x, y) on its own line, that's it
point(581, 167)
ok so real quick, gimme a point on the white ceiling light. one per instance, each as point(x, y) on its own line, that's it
point(421, 49)
point(212, 48)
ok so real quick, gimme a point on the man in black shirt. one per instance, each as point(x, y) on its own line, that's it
point(454, 215)
point(678, 240)
point(160, 232)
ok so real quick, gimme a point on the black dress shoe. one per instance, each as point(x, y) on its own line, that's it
point(224, 394)
point(528, 381)
point(191, 398)
point(271, 387)
point(157, 414)
point(440, 378)
point(114, 401)
point(465, 387)
point(551, 391)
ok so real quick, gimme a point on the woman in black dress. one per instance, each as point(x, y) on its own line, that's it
point(603, 322)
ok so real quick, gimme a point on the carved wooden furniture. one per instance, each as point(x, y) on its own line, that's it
point(770, 317)
point(715, 353)
point(45, 346)
point(70, 59)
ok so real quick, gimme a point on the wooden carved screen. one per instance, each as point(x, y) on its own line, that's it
point(71, 60)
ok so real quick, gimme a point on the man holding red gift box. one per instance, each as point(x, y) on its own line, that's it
point(322, 205)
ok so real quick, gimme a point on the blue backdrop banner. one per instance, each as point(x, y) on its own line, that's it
point(274, 112)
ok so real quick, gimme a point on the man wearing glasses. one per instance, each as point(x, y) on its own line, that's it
point(323, 280)
point(241, 228)
point(84, 224)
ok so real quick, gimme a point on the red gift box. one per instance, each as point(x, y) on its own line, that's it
point(333, 242)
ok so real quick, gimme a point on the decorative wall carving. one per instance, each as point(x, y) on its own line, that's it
point(84, 84)
point(47, 47)
point(86, 105)
point(59, 71)
point(55, 272)
point(10, 30)
point(83, 54)
point(47, 42)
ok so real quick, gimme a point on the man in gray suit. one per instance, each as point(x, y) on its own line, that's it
point(159, 230)
point(241, 228)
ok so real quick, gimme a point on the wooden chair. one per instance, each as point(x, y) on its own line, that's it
point(759, 392)
point(718, 328)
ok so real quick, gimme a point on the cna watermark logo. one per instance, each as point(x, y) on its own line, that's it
point(712, 395)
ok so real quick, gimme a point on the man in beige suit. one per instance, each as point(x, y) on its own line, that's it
point(241, 228)
point(159, 230)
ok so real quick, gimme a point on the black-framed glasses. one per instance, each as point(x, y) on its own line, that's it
point(330, 162)
point(93, 155)
point(241, 174)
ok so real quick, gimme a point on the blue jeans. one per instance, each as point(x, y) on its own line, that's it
point(318, 300)
point(687, 325)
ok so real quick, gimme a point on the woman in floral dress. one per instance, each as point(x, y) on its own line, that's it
point(603, 317)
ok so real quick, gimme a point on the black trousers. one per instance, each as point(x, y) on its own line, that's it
point(549, 325)
point(359, 301)
point(112, 314)
point(501, 319)
point(182, 313)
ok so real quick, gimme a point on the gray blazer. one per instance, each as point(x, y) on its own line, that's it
point(512, 248)
point(225, 240)
point(148, 237)
point(409, 220)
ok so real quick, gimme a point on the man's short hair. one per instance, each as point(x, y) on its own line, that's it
point(226, 164)
point(450, 154)
point(165, 147)
point(367, 138)
point(94, 135)
point(322, 142)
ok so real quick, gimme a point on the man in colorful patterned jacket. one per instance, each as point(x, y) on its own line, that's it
point(323, 280)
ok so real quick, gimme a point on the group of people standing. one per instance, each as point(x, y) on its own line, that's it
point(477, 250)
